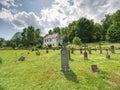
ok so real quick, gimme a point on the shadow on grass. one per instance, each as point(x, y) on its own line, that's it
point(71, 76)
point(1, 88)
point(0, 60)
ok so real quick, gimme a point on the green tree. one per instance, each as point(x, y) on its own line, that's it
point(2, 40)
point(30, 36)
point(113, 33)
point(56, 30)
point(50, 32)
point(106, 24)
point(97, 35)
point(85, 29)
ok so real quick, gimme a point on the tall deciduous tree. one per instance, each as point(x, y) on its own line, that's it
point(113, 33)
point(30, 36)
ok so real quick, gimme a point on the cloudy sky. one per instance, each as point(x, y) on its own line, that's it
point(46, 14)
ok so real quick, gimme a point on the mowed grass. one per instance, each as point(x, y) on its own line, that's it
point(43, 72)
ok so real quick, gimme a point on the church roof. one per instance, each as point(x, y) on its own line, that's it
point(51, 36)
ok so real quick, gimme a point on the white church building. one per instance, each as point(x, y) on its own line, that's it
point(53, 40)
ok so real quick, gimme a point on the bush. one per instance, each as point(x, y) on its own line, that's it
point(77, 41)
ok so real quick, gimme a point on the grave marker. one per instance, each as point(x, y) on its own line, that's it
point(107, 55)
point(37, 53)
point(22, 58)
point(64, 59)
point(47, 50)
point(94, 68)
point(85, 53)
point(112, 48)
point(81, 50)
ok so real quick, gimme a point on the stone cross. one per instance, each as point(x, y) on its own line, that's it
point(64, 59)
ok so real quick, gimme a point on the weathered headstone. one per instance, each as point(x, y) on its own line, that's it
point(85, 53)
point(94, 68)
point(100, 48)
point(64, 59)
point(47, 50)
point(0, 60)
point(22, 58)
point(81, 50)
point(112, 48)
point(107, 54)
point(85, 56)
point(28, 53)
point(37, 53)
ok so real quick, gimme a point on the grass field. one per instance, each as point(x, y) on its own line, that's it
point(43, 72)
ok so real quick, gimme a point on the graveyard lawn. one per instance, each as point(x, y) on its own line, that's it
point(43, 72)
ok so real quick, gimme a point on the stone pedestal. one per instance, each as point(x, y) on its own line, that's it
point(65, 60)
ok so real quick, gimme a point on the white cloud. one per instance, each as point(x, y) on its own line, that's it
point(63, 12)
point(24, 19)
point(6, 15)
point(8, 3)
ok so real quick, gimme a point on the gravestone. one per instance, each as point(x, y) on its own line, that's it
point(107, 54)
point(85, 53)
point(0, 60)
point(64, 59)
point(100, 48)
point(85, 56)
point(28, 53)
point(47, 50)
point(81, 50)
point(112, 48)
point(94, 68)
point(22, 58)
point(37, 53)
point(72, 50)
